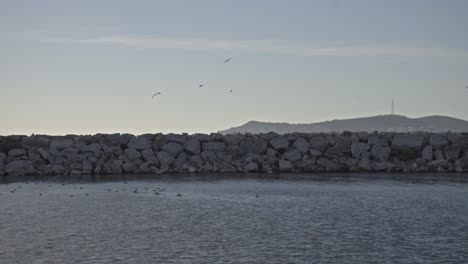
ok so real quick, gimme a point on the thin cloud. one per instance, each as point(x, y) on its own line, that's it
point(259, 46)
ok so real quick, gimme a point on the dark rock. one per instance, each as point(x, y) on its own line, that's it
point(213, 146)
point(279, 143)
point(292, 155)
point(285, 166)
point(132, 154)
point(377, 140)
point(176, 138)
point(407, 146)
point(193, 146)
point(36, 142)
point(254, 145)
point(301, 145)
point(452, 152)
point(20, 167)
point(232, 139)
point(358, 148)
point(438, 141)
point(140, 143)
point(61, 143)
point(173, 148)
point(318, 143)
point(427, 153)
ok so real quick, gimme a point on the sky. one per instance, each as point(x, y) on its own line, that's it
point(91, 66)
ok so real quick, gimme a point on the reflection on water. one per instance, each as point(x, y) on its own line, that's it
point(238, 219)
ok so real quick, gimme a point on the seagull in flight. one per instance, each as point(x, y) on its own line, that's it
point(156, 94)
point(226, 61)
point(201, 85)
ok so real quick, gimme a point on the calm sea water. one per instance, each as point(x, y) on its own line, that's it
point(209, 219)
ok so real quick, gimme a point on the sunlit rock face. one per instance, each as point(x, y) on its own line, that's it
point(201, 153)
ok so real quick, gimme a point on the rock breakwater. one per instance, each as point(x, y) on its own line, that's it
point(268, 152)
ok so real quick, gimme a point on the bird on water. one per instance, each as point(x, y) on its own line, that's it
point(226, 61)
point(201, 85)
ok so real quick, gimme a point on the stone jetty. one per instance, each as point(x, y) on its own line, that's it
point(201, 153)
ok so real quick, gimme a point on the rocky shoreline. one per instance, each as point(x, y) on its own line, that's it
point(269, 152)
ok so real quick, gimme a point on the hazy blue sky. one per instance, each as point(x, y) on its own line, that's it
point(92, 66)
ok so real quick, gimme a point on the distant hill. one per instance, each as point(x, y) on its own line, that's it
point(383, 123)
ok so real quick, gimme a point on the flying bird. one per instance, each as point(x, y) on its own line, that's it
point(230, 91)
point(201, 85)
point(156, 94)
point(226, 61)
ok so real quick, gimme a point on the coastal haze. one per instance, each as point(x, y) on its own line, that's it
point(386, 123)
point(208, 131)
point(92, 67)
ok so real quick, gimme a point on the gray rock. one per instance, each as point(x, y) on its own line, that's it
point(462, 164)
point(70, 151)
point(75, 158)
point(407, 146)
point(384, 166)
point(315, 153)
point(159, 142)
point(427, 153)
point(149, 156)
point(292, 155)
point(438, 141)
point(252, 166)
point(17, 152)
point(140, 143)
point(62, 143)
point(343, 144)
point(302, 145)
point(226, 167)
point(279, 143)
point(165, 158)
point(94, 148)
point(203, 137)
point(193, 146)
point(87, 167)
point(36, 142)
point(232, 139)
point(461, 140)
point(437, 163)
point(271, 153)
point(173, 148)
point(213, 146)
point(365, 164)
point(20, 167)
point(57, 169)
point(327, 164)
point(439, 154)
point(285, 166)
point(129, 167)
point(318, 143)
point(377, 140)
point(132, 154)
point(452, 152)
point(180, 161)
point(254, 145)
point(358, 148)
point(196, 161)
point(176, 138)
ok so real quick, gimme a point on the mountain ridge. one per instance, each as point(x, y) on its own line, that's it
point(381, 123)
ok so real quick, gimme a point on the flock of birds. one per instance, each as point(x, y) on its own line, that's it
point(142, 190)
point(199, 86)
